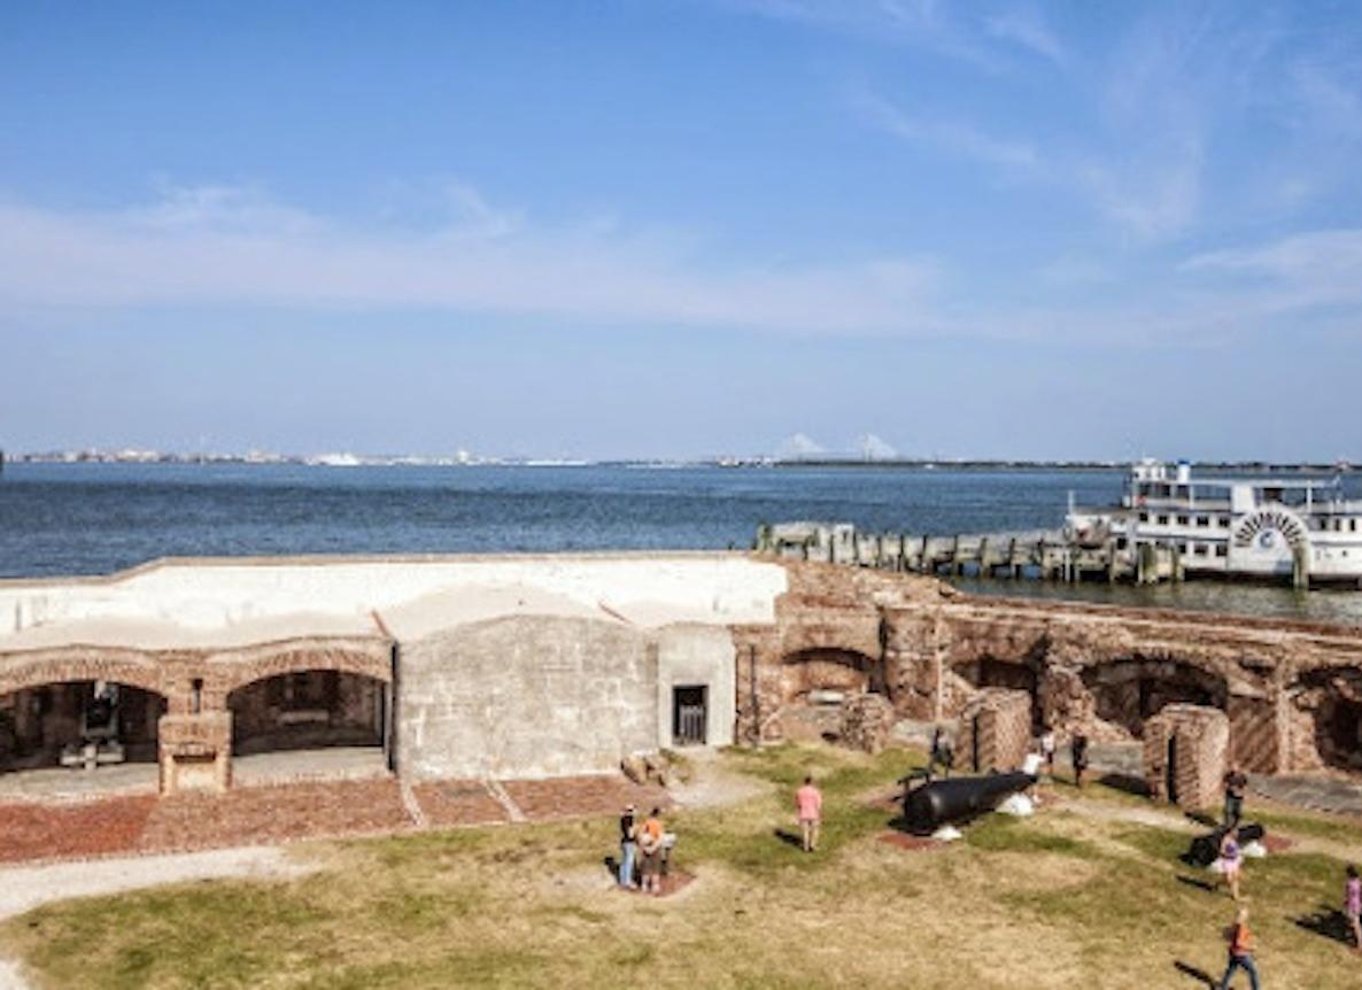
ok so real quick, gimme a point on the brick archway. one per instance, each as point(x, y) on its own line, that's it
point(42, 667)
point(805, 672)
point(1129, 689)
point(233, 669)
point(1326, 717)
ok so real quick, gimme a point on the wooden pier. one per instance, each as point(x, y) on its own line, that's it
point(1045, 554)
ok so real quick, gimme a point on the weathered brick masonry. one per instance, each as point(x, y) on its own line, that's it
point(1292, 692)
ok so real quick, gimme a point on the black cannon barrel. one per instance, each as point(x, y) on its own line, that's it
point(928, 807)
point(1205, 849)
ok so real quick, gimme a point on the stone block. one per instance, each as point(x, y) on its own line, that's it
point(196, 752)
point(995, 730)
point(1185, 752)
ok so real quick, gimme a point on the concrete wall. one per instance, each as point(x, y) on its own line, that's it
point(216, 594)
point(525, 697)
point(690, 655)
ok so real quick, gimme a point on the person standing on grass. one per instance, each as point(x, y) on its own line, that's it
point(650, 845)
point(1235, 783)
point(1047, 750)
point(1031, 764)
point(1240, 952)
point(942, 754)
point(1352, 905)
point(1231, 859)
point(1078, 750)
point(809, 807)
point(628, 847)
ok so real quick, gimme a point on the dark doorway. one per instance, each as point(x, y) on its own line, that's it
point(690, 715)
point(1171, 770)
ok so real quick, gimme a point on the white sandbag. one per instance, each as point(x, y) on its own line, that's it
point(946, 833)
point(1255, 850)
point(1019, 805)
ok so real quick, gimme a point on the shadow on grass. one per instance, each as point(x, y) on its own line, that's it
point(1187, 969)
point(1197, 882)
point(789, 838)
point(1328, 922)
point(1126, 782)
point(1201, 818)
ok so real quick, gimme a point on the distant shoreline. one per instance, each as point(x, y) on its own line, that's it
point(727, 463)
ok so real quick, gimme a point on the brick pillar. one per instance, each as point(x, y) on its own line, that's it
point(995, 730)
point(1196, 740)
point(1257, 729)
point(196, 752)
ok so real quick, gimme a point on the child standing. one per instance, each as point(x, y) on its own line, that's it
point(1231, 859)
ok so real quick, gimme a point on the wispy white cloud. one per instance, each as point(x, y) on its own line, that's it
point(1305, 270)
point(956, 137)
point(219, 245)
point(1026, 28)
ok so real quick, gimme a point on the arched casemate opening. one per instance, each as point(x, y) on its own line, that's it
point(1331, 701)
point(814, 683)
point(78, 723)
point(1127, 691)
point(308, 709)
point(990, 672)
point(826, 676)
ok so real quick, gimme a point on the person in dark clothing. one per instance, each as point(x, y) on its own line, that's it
point(1078, 749)
point(628, 848)
point(943, 755)
point(1235, 784)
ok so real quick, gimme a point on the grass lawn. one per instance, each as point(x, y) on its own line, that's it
point(1064, 899)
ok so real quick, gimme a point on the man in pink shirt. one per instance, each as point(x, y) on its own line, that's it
point(809, 806)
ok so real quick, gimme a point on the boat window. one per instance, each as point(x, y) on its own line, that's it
point(1182, 520)
point(1221, 550)
point(1163, 520)
point(1203, 520)
point(1144, 517)
point(1121, 543)
point(1224, 522)
point(1199, 549)
point(1352, 525)
point(1182, 547)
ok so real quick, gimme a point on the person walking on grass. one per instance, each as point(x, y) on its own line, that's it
point(809, 808)
point(1231, 859)
point(628, 848)
point(1240, 951)
point(1352, 905)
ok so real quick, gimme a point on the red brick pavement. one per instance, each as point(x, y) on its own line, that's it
point(282, 812)
point(274, 813)
point(572, 797)
point(458, 802)
point(30, 831)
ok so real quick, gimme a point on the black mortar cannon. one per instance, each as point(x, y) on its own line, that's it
point(941, 802)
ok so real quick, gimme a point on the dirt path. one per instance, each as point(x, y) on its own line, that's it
point(25, 887)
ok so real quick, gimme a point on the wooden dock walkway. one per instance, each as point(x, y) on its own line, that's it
point(1045, 554)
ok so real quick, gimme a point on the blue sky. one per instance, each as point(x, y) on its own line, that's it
point(683, 227)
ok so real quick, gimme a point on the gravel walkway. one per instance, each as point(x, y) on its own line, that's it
point(25, 887)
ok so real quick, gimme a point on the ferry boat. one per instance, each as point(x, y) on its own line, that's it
point(1299, 529)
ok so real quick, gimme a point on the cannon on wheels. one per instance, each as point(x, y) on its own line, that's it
point(1205, 849)
point(935, 803)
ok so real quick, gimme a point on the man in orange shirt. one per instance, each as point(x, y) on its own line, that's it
point(809, 807)
point(1241, 952)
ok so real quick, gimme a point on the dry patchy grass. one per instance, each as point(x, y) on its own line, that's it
point(1056, 901)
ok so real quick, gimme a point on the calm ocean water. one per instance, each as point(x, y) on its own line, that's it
point(58, 519)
